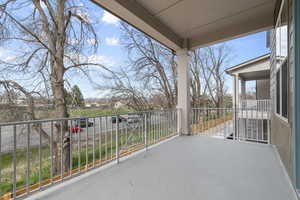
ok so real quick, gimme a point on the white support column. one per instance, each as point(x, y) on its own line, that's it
point(235, 97)
point(183, 101)
point(236, 91)
point(243, 94)
point(243, 89)
point(235, 104)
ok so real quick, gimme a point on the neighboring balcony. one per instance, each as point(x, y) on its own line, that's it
point(250, 122)
point(139, 156)
point(255, 109)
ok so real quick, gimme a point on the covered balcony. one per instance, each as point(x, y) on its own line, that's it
point(145, 157)
point(252, 107)
point(257, 73)
point(153, 155)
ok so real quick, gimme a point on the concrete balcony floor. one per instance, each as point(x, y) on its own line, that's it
point(191, 168)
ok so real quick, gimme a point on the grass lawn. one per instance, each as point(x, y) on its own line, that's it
point(92, 112)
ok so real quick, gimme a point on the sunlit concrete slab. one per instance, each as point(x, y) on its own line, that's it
point(190, 167)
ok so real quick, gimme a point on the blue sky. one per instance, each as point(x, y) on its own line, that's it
point(246, 48)
point(112, 53)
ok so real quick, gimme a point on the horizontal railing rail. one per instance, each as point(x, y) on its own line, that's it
point(76, 118)
point(37, 154)
point(261, 104)
point(247, 124)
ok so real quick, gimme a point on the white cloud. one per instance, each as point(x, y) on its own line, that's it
point(91, 41)
point(10, 59)
point(84, 15)
point(96, 59)
point(109, 18)
point(73, 41)
point(100, 59)
point(7, 55)
point(113, 41)
point(1, 52)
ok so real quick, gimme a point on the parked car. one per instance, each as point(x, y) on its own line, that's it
point(126, 118)
point(76, 130)
point(83, 123)
point(133, 118)
point(121, 119)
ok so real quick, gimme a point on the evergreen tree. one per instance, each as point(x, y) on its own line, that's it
point(76, 96)
point(68, 97)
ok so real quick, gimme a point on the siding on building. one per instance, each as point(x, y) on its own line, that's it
point(263, 89)
point(281, 130)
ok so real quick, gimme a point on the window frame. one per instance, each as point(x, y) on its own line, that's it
point(280, 113)
point(280, 65)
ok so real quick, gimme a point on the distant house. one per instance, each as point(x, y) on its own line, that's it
point(119, 105)
point(20, 102)
point(88, 105)
point(252, 115)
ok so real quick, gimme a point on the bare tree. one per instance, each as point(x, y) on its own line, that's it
point(213, 61)
point(153, 64)
point(124, 87)
point(154, 73)
point(50, 38)
point(198, 82)
point(55, 34)
point(12, 87)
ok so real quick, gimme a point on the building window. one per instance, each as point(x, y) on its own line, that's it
point(284, 88)
point(281, 39)
point(278, 92)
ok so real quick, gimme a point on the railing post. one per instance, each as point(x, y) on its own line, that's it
point(94, 133)
point(145, 132)
point(268, 125)
point(28, 162)
point(235, 123)
point(117, 139)
point(60, 127)
point(51, 152)
point(40, 155)
point(71, 149)
point(178, 121)
point(15, 162)
point(100, 140)
point(87, 144)
point(224, 127)
point(0, 154)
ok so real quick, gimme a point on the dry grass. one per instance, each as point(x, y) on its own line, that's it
point(203, 127)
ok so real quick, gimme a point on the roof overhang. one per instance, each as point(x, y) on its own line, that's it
point(254, 69)
point(194, 23)
point(258, 75)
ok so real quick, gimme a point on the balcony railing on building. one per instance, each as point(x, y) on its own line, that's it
point(246, 123)
point(38, 154)
point(259, 105)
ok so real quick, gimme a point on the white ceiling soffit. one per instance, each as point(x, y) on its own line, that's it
point(256, 64)
point(200, 22)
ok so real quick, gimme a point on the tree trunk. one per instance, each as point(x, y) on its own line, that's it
point(57, 82)
point(57, 78)
point(59, 99)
